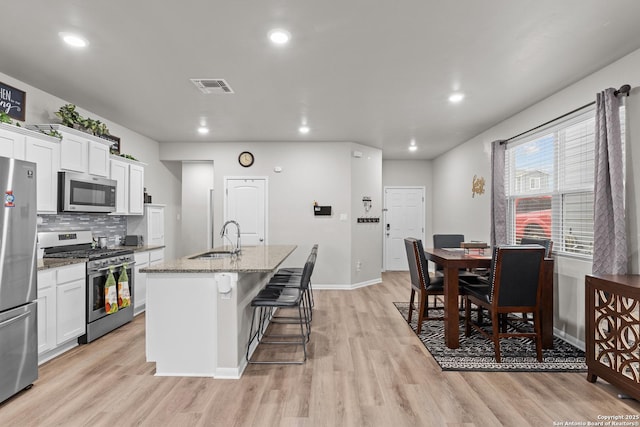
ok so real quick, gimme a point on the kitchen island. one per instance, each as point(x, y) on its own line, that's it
point(198, 310)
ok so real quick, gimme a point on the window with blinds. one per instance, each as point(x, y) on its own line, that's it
point(549, 179)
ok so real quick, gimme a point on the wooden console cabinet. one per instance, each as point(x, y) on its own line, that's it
point(613, 331)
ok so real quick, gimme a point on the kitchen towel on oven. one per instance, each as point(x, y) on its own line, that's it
point(124, 295)
point(110, 294)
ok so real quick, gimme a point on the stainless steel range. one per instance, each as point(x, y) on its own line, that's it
point(79, 244)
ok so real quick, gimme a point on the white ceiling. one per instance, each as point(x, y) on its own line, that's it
point(375, 72)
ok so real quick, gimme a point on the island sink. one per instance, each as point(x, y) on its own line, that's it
point(213, 255)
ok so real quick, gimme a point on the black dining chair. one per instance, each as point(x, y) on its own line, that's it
point(515, 287)
point(423, 283)
point(547, 244)
point(452, 241)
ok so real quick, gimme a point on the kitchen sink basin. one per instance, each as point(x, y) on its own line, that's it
point(213, 255)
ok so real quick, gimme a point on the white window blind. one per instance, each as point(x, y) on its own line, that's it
point(549, 184)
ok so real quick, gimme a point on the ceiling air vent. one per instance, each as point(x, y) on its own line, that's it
point(209, 86)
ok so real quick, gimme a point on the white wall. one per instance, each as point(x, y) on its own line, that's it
point(161, 181)
point(455, 210)
point(366, 238)
point(310, 172)
point(196, 226)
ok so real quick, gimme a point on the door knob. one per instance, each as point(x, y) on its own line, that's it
point(261, 239)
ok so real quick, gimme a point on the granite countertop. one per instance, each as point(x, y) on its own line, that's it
point(252, 259)
point(47, 263)
point(141, 248)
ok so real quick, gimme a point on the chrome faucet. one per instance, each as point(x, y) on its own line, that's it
point(223, 233)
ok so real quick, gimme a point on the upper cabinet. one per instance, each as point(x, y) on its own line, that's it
point(46, 155)
point(44, 151)
point(11, 143)
point(130, 188)
point(150, 225)
point(84, 153)
point(81, 152)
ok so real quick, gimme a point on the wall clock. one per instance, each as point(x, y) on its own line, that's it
point(245, 159)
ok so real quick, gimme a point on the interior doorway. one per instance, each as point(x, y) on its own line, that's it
point(245, 201)
point(403, 217)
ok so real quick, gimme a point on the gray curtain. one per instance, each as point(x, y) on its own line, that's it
point(498, 198)
point(609, 231)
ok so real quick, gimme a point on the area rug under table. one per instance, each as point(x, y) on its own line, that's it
point(476, 351)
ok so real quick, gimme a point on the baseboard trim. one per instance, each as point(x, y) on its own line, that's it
point(570, 339)
point(346, 287)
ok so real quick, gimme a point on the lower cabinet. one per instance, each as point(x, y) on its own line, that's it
point(61, 308)
point(143, 260)
point(70, 310)
point(140, 286)
point(46, 310)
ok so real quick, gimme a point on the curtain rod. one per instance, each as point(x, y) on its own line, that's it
point(624, 89)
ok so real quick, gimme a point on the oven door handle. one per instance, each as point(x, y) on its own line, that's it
point(114, 266)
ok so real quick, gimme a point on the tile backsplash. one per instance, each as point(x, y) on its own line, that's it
point(111, 226)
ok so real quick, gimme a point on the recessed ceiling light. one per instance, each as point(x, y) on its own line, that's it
point(413, 147)
point(456, 97)
point(73, 39)
point(279, 36)
point(304, 129)
point(203, 130)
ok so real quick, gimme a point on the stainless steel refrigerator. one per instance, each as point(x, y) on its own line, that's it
point(18, 277)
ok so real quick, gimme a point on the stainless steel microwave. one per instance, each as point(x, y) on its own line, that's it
point(85, 193)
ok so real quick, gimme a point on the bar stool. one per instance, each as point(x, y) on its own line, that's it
point(266, 302)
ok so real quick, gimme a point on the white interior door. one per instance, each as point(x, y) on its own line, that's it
point(404, 217)
point(246, 203)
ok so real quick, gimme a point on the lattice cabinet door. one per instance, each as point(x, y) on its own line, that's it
point(612, 310)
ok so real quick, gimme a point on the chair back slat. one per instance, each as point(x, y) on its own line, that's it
point(446, 241)
point(547, 244)
point(517, 274)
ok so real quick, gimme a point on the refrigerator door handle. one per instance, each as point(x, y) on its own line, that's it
point(13, 319)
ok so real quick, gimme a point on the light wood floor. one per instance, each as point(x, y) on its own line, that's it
point(365, 368)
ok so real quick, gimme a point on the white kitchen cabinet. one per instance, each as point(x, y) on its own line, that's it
point(70, 303)
point(98, 158)
point(61, 309)
point(130, 181)
point(11, 143)
point(140, 284)
point(79, 151)
point(46, 310)
point(136, 190)
point(70, 313)
point(150, 225)
point(120, 173)
point(156, 256)
point(46, 155)
point(44, 151)
point(155, 226)
point(74, 153)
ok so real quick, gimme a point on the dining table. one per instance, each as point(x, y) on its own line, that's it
point(453, 260)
